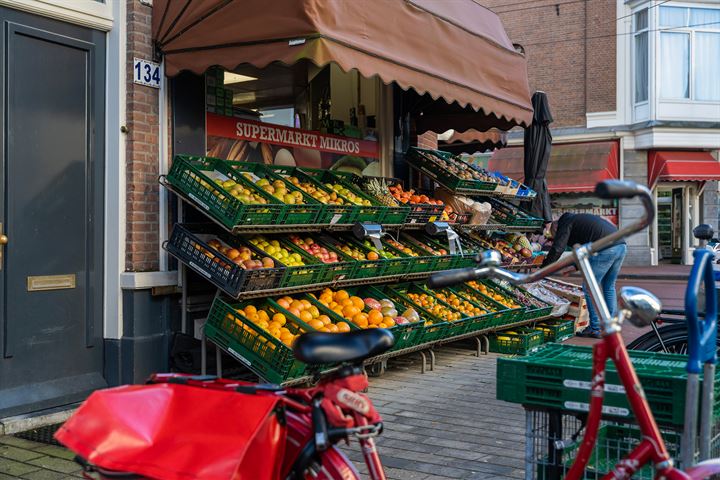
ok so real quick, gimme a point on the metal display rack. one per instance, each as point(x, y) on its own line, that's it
point(377, 364)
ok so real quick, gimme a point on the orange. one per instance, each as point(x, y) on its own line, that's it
point(250, 309)
point(382, 325)
point(279, 318)
point(306, 303)
point(305, 316)
point(294, 311)
point(372, 256)
point(372, 326)
point(350, 311)
point(332, 327)
point(325, 299)
point(263, 315)
point(375, 317)
point(341, 295)
point(324, 329)
point(324, 319)
point(283, 303)
point(296, 304)
point(389, 322)
point(316, 324)
point(360, 320)
point(358, 302)
point(343, 327)
point(347, 303)
point(314, 311)
point(284, 330)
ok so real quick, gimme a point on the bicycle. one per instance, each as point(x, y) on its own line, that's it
point(640, 308)
point(314, 420)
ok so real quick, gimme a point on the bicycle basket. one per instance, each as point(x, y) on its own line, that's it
point(178, 432)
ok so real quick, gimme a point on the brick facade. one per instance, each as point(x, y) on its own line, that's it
point(142, 249)
point(570, 48)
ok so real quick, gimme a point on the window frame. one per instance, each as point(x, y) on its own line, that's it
point(690, 31)
point(635, 34)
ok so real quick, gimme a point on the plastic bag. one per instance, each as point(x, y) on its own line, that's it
point(560, 305)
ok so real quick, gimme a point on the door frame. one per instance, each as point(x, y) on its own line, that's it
point(690, 202)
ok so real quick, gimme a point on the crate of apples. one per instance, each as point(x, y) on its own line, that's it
point(279, 190)
point(242, 192)
point(316, 192)
point(313, 248)
point(311, 315)
point(242, 256)
point(276, 250)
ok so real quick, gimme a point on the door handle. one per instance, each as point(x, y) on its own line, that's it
point(3, 242)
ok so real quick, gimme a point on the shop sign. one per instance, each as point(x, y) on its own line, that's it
point(230, 127)
point(146, 73)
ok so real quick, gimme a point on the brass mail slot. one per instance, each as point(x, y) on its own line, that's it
point(50, 282)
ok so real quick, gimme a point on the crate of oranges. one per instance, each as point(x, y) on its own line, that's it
point(439, 318)
point(370, 308)
point(311, 315)
point(257, 334)
point(504, 308)
point(489, 313)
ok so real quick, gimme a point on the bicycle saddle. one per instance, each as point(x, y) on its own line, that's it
point(316, 348)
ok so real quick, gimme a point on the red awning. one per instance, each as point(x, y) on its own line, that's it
point(679, 166)
point(573, 167)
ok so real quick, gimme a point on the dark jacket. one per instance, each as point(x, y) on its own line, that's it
point(577, 228)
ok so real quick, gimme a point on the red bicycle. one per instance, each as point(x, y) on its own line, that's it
point(640, 308)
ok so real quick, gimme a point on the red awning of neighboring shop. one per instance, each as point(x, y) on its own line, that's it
point(573, 168)
point(679, 166)
point(456, 51)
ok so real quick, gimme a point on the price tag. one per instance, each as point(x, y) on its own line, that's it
point(146, 72)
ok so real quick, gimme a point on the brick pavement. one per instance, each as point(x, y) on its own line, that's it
point(24, 459)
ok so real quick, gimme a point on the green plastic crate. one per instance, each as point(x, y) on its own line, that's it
point(405, 335)
point(557, 330)
point(538, 309)
point(424, 243)
point(363, 268)
point(343, 269)
point(420, 263)
point(330, 214)
point(558, 376)
point(492, 319)
point(314, 271)
point(432, 163)
point(192, 176)
point(374, 213)
point(391, 266)
point(518, 341)
point(439, 329)
point(394, 215)
point(295, 214)
point(253, 346)
point(508, 214)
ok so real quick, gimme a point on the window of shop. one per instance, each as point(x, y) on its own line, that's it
point(641, 55)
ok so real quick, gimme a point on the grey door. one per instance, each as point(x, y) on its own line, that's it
point(51, 282)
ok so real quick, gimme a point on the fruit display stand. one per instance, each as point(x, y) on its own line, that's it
point(258, 269)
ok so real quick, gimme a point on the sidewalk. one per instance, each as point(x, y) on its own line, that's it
point(24, 459)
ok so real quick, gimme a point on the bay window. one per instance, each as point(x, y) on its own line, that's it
point(689, 57)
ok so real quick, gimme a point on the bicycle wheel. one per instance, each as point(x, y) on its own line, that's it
point(674, 338)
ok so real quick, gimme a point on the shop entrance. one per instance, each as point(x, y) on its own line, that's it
point(51, 210)
point(677, 204)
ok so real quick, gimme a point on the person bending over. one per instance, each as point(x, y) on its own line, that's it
point(581, 228)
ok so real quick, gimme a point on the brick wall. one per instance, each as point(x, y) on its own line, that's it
point(565, 59)
point(142, 239)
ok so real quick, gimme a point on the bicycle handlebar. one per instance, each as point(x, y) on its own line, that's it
point(489, 261)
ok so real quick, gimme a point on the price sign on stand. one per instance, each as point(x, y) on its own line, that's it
point(146, 73)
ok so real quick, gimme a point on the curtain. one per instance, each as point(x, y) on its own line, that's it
point(641, 67)
point(705, 17)
point(707, 66)
point(674, 65)
point(673, 16)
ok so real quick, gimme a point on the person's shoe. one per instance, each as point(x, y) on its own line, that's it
point(588, 333)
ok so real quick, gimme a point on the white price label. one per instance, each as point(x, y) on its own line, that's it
point(146, 73)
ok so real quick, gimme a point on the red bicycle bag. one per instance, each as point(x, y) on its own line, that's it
point(179, 432)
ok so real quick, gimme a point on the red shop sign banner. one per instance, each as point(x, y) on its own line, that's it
point(252, 131)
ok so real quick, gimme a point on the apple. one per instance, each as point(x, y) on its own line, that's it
point(401, 320)
point(372, 304)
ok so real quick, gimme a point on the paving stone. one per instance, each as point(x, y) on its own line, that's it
point(55, 451)
point(56, 464)
point(19, 442)
point(15, 469)
point(45, 475)
point(19, 454)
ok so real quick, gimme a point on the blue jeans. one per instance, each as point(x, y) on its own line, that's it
point(606, 267)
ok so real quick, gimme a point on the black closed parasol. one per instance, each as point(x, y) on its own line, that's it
point(537, 145)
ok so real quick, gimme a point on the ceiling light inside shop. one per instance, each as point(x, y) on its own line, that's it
point(231, 78)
